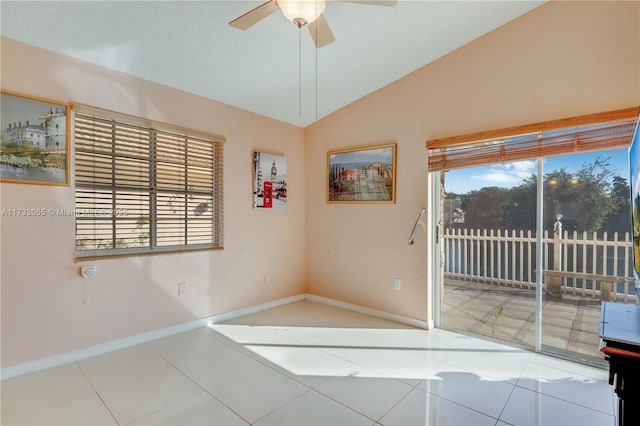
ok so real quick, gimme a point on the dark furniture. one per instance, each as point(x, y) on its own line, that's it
point(620, 334)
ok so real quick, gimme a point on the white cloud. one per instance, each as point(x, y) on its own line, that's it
point(525, 166)
point(508, 174)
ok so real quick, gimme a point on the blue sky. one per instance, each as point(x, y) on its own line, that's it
point(512, 174)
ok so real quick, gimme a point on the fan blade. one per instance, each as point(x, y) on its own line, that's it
point(320, 32)
point(371, 2)
point(255, 15)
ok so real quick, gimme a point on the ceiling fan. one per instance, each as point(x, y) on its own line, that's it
point(302, 13)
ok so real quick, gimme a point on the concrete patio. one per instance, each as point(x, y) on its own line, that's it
point(569, 325)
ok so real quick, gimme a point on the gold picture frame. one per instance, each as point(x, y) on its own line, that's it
point(362, 175)
point(34, 140)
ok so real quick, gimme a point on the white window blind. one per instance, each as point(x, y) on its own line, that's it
point(145, 188)
point(579, 134)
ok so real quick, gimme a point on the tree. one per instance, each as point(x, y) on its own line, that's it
point(593, 201)
point(560, 195)
point(485, 208)
point(521, 214)
point(590, 199)
point(620, 219)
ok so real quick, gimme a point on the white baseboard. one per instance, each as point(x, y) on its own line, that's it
point(114, 345)
point(427, 325)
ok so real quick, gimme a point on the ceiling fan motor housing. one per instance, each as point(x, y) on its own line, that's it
point(302, 12)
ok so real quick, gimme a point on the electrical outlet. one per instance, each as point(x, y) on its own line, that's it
point(88, 271)
point(396, 284)
point(182, 288)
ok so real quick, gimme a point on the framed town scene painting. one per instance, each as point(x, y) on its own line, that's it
point(362, 175)
point(269, 181)
point(34, 141)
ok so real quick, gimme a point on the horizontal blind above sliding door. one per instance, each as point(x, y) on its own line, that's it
point(142, 188)
point(510, 145)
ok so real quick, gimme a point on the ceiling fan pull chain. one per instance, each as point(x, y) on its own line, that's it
point(316, 45)
point(299, 72)
point(316, 52)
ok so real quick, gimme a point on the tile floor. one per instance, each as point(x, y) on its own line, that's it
point(312, 364)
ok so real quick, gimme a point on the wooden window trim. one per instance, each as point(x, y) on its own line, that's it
point(608, 130)
point(582, 120)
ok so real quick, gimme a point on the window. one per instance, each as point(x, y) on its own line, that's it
point(577, 134)
point(144, 187)
point(517, 204)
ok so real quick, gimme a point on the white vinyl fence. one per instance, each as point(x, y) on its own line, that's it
point(507, 258)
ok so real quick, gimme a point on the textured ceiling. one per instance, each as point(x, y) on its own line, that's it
point(188, 45)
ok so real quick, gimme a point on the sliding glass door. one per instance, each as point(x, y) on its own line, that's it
point(488, 229)
point(586, 215)
point(490, 242)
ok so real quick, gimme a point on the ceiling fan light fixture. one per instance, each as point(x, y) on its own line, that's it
point(302, 12)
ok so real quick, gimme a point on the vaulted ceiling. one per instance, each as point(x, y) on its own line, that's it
point(272, 68)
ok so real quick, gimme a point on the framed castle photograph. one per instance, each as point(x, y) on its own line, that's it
point(269, 181)
point(34, 140)
point(362, 175)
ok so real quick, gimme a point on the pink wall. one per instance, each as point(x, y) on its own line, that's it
point(560, 60)
point(42, 295)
